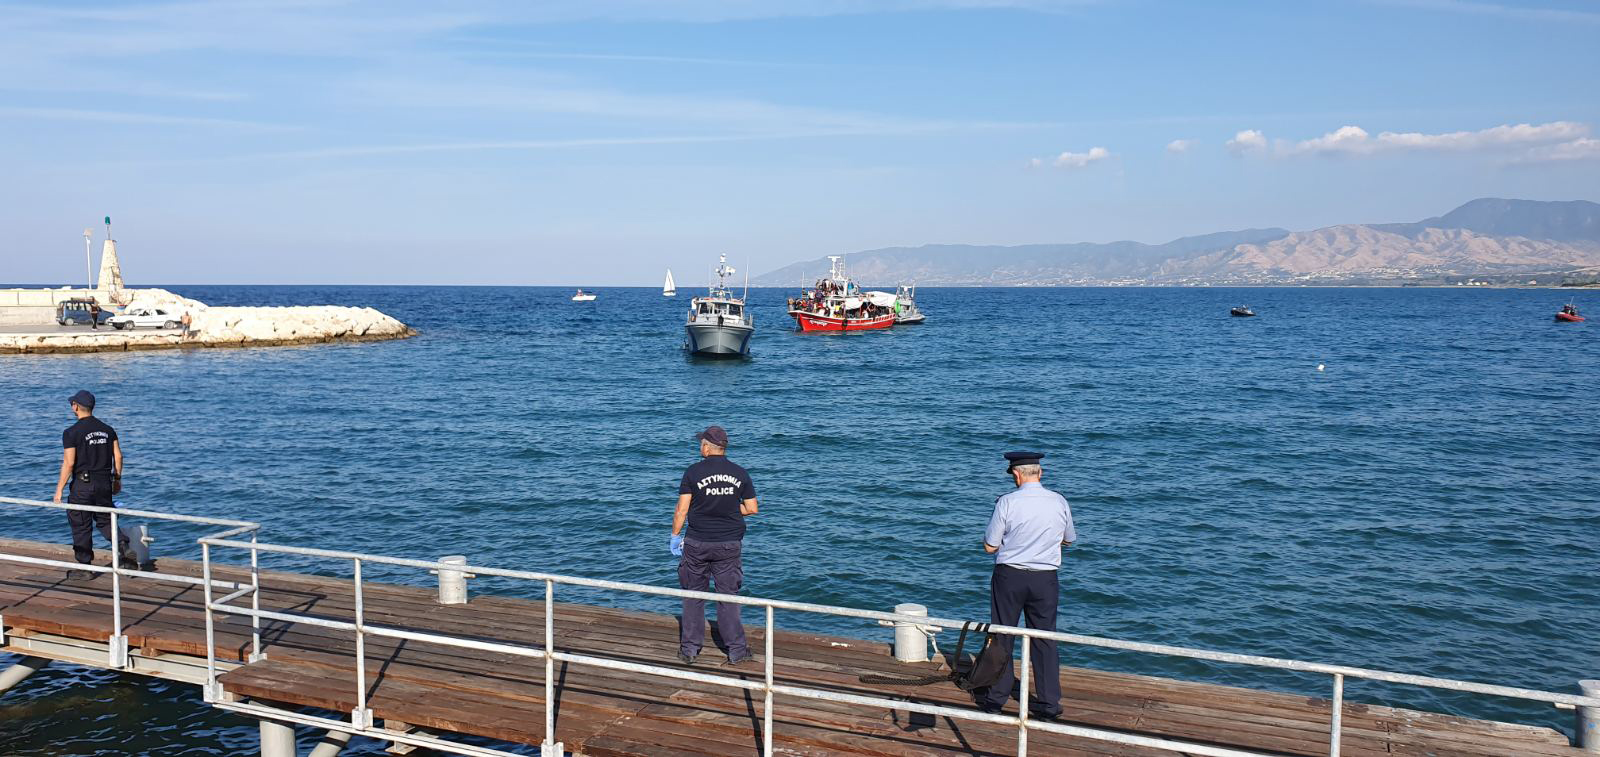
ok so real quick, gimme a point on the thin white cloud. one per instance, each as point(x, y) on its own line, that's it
point(1180, 145)
point(1075, 160)
point(515, 145)
point(107, 116)
point(1577, 149)
point(1249, 140)
point(1502, 10)
point(1354, 140)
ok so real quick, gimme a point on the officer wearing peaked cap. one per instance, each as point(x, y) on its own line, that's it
point(1029, 528)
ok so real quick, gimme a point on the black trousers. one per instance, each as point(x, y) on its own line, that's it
point(96, 491)
point(1035, 595)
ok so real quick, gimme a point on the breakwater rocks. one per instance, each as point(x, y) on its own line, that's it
point(217, 327)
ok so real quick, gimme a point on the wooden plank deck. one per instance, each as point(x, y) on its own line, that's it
point(608, 713)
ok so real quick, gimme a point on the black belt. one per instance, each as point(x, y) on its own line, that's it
point(1027, 570)
point(86, 475)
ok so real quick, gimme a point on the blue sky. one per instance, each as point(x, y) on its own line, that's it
point(596, 143)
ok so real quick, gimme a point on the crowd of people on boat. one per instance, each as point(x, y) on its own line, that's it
point(816, 302)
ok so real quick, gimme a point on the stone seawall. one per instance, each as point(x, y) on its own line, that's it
point(219, 327)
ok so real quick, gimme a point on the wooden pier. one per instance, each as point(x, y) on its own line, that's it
point(447, 690)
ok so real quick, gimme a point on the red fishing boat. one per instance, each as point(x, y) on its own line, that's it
point(1569, 313)
point(837, 304)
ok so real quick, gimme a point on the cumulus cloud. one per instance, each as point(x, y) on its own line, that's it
point(1577, 149)
point(1073, 160)
point(1247, 141)
point(1354, 140)
point(1180, 145)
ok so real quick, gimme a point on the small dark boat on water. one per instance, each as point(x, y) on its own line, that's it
point(1242, 312)
point(1569, 314)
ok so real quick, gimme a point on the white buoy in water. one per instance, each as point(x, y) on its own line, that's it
point(1320, 366)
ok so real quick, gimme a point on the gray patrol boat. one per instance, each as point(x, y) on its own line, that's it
point(719, 324)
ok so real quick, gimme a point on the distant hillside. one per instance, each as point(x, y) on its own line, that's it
point(1481, 237)
point(1576, 220)
point(997, 265)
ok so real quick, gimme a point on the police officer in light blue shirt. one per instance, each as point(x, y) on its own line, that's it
point(1029, 528)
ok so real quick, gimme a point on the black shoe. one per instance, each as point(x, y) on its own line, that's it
point(148, 567)
point(734, 662)
point(685, 659)
point(81, 575)
point(1046, 716)
point(129, 564)
point(991, 709)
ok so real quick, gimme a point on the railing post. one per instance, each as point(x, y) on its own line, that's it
point(1022, 708)
point(211, 694)
point(255, 600)
point(361, 717)
point(766, 710)
point(118, 643)
point(550, 747)
point(1338, 715)
point(1588, 736)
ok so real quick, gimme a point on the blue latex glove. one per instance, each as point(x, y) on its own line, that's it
point(676, 545)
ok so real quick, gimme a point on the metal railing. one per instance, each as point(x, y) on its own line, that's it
point(361, 716)
point(117, 643)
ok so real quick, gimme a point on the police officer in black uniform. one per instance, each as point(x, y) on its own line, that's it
point(91, 460)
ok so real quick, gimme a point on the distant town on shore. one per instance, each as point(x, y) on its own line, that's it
point(1486, 242)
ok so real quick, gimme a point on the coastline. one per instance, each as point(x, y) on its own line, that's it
point(118, 341)
point(214, 327)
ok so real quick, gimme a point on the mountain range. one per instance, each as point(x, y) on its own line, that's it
point(1488, 237)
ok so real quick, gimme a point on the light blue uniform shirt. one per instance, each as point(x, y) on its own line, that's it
point(1029, 525)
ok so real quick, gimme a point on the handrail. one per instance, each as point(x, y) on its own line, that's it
point(117, 643)
point(361, 718)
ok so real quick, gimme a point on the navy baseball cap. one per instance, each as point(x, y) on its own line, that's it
point(1023, 458)
point(84, 399)
point(715, 435)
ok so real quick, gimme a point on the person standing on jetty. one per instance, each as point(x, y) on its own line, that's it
point(1029, 528)
point(91, 460)
point(714, 497)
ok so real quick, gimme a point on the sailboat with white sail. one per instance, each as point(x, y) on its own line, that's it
point(669, 289)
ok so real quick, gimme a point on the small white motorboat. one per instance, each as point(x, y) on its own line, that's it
point(583, 296)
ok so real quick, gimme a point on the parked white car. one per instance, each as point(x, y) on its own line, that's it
point(150, 318)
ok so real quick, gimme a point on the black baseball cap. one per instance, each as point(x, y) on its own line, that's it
point(715, 435)
point(84, 399)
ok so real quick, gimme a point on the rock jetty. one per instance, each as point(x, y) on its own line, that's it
point(218, 327)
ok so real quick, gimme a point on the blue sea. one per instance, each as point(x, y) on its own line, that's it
point(1427, 502)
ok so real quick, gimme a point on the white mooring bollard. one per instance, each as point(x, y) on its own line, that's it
point(910, 643)
point(1589, 717)
point(453, 583)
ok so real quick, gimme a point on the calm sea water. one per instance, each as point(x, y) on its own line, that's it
point(1429, 503)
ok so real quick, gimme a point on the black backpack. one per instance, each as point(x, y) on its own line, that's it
point(992, 658)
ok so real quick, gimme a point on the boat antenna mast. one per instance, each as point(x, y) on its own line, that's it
point(723, 272)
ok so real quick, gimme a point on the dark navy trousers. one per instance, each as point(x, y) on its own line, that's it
point(96, 491)
point(1035, 595)
point(703, 563)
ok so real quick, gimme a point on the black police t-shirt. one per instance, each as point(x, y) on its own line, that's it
point(92, 438)
point(716, 487)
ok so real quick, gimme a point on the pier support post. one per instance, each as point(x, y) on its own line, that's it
point(452, 583)
point(277, 739)
point(1588, 725)
point(20, 670)
point(332, 743)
